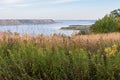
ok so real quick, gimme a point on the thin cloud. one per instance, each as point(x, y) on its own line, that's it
point(64, 1)
point(11, 4)
point(2, 8)
point(22, 5)
point(8, 1)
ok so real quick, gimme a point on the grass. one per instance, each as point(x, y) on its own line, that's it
point(58, 57)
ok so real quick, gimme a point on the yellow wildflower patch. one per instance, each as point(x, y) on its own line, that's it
point(110, 51)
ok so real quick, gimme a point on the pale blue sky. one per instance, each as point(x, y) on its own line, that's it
point(56, 9)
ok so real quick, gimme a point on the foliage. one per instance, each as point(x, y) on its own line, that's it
point(58, 57)
point(110, 51)
point(116, 13)
point(105, 25)
point(109, 23)
point(118, 23)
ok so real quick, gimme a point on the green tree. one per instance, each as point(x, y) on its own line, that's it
point(109, 23)
point(116, 13)
point(118, 23)
point(105, 25)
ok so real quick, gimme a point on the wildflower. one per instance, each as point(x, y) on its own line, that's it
point(110, 51)
point(114, 48)
point(107, 50)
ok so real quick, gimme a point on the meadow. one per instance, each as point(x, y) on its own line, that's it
point(59, 57)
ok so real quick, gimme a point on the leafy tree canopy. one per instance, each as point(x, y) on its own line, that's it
point(109, 23)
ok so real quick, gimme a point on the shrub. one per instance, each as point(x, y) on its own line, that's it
point(109, 23)
point(118, 23)
point(105, 25)
point(59, 58)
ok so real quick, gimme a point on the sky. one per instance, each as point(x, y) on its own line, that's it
point(57, 9)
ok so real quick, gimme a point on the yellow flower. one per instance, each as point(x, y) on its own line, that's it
point(110, 51)
point(114, 47)
point(107, 50)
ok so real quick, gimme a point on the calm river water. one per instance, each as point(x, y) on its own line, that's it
point(47, 29)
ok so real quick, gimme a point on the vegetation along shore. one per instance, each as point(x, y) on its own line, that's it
point(58, 57)
point(94, 56)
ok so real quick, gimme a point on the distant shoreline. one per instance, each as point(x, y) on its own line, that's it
point(9, 22)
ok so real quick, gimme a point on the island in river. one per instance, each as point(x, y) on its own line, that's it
point(83, 29)
point(76, 27)
point(8, 22)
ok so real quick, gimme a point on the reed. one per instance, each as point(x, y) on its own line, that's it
point(59, 57)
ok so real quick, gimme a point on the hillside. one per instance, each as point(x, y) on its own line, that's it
point(8, 22)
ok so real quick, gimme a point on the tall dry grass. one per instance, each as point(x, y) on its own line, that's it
point(58, 57)
point(91, 42)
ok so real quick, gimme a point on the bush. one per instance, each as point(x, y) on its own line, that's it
point(118, 23)
point(59, 58)
point(105, 25)
point(109, 23)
